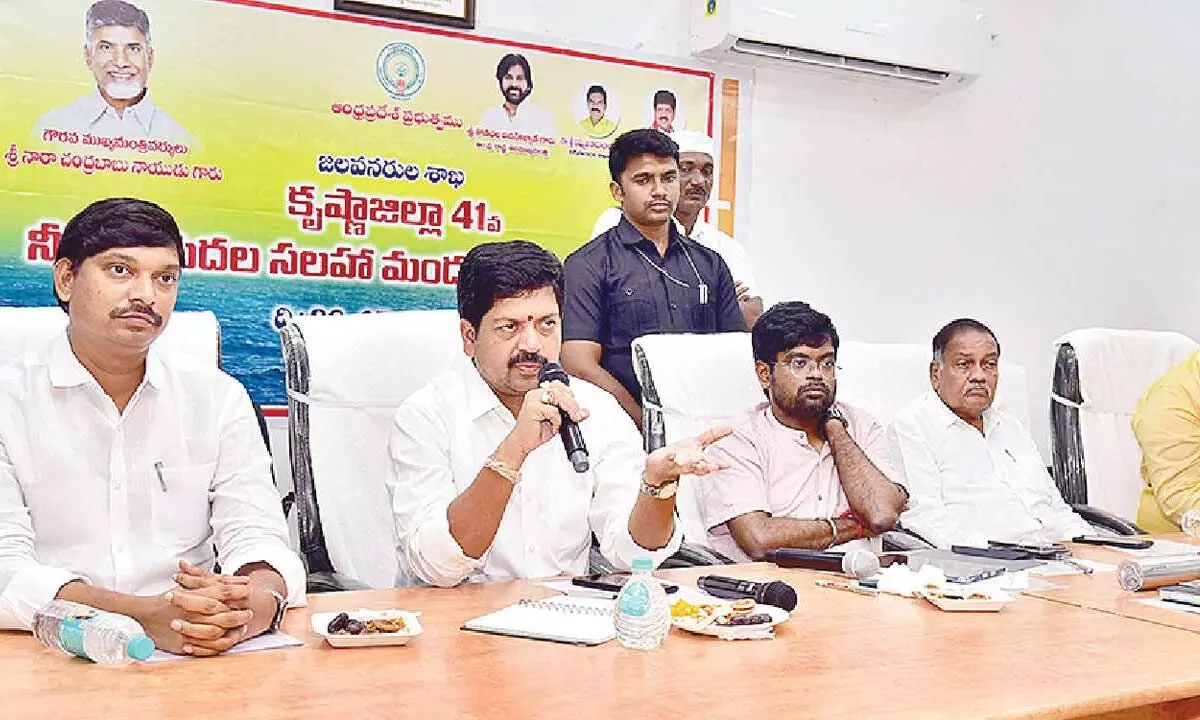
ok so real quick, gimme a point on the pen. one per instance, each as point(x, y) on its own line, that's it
point(848, 587)
point(1077, 565)
point(158, 466)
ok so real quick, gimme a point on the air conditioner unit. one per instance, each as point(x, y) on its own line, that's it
point(934, 43)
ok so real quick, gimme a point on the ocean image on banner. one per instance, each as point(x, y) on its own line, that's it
point(250, 349)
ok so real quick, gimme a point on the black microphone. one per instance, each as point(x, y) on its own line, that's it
point(776, 593)
point(854, 563)
point(568, 430)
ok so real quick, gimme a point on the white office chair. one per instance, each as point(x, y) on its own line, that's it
point(346, 376)
point(1099, 375)
point(692, 382)
point(195, 334)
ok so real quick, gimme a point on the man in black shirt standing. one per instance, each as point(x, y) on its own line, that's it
point(642, 276)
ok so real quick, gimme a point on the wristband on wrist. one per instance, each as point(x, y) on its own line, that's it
point(833, 530)
point(513, 475)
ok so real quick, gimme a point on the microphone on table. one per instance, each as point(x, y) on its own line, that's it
point(859, 564)
point(776, 593)
point(568, 430)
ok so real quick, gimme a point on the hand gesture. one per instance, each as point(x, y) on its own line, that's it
point(685, 457)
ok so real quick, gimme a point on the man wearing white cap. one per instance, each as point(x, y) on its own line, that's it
point(696, 152)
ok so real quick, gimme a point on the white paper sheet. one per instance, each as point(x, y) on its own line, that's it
point(1155, 602)
point(266, 641)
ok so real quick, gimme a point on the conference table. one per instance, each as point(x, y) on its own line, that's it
point(839, 655)
point(1100, 591)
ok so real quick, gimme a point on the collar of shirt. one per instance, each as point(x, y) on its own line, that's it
point(991, 419)
point(628, 235)
point(798, 436)
point(66, 370)
point(480, 397)
point(142, 111)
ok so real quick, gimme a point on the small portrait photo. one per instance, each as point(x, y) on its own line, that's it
point(118, 52)
point(597, 109)
point(664, 111)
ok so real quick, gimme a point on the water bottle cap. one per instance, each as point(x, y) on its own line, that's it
point(643, 563)
point(140, 647)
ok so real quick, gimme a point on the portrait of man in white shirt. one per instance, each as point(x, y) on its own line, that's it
point(973, 472)
point(128, 474)
point(517, 113)
point(480, 484)
point(117, 50)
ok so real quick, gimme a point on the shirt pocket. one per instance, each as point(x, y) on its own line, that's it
point(704, 316)
point(182, 511)
point(632, 317)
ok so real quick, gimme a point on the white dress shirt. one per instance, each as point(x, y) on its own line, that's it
point(80, 497)
point(92, 114)
point(529, 118)
point(730, 250)
point(967, 487)
point(442, 435)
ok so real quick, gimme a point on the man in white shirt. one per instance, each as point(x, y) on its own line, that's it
point(974, 473)
point(696, 152)
point(121, 468)
point(481, 486)
point(517, 113)
point(118, 52)
point(803, 471)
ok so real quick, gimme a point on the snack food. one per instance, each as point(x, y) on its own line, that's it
point(745, 606)
point(343, 624)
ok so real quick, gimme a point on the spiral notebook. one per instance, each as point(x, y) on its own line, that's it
point(579, 621)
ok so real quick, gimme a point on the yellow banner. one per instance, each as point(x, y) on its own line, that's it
point(314, 162)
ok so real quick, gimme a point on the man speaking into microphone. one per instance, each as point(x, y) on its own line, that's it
point(481, 484)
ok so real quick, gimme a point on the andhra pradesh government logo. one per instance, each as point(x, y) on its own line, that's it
point(401, 70)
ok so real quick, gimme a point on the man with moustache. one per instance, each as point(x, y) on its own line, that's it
point(642, 276)
point(126, 474)
point(974, 472)
point(517, 113)
point(664, 111)
point(596, 124)
point(481, 487)
point(804, 470)
point(696, 165)
point(117, 50)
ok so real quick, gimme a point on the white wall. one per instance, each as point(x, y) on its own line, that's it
point(1051, 194)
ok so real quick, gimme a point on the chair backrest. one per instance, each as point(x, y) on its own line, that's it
point(346, 376)
point(193, 333)
point(1100, 373)
point(692, 382)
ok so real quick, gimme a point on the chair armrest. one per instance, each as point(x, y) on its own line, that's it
point(324, 581)
point(901, 540)
point(693, 555)
point(1107, 521)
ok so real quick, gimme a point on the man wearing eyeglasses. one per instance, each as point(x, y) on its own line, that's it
point(804, 471)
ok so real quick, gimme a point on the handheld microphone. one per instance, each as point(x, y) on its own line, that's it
point(776, 593)
point(568, 430)
point(854, 563)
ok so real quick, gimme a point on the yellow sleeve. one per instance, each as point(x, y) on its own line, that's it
point(1167, 426)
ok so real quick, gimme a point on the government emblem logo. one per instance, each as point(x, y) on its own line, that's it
point(401, 70)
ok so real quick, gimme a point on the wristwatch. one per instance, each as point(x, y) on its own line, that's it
point(660, 492)
point(281, 606)
point(834, 413)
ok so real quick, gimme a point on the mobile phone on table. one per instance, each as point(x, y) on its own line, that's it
point(1118, 541)
point(1048, 551)
point(611, 583)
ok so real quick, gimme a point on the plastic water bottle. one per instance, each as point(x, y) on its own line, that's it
point(103, 637)
point(641, 613)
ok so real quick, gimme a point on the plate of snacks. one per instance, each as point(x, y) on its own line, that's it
point(736, 620)
point(957, 600)
point(366, 628)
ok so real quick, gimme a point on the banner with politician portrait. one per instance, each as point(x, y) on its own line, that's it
point(315, 162)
